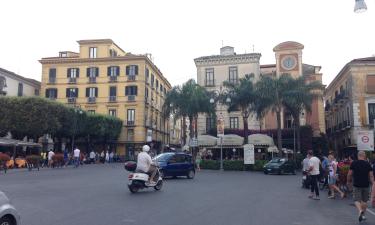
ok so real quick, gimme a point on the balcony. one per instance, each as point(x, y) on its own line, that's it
point(130, 123)
point(52, 80)
point(72, 80)
point(327, 107)
point(131, 98)
point(131, 78)
point(91, 99)
point(209, 83)
point(113, 79)
point(72, 100)
point(92, 80)
point(112, 99)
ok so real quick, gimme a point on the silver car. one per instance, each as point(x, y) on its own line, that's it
point(8, 214)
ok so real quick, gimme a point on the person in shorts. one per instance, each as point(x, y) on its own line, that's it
point(360, 174)
point(332, 177)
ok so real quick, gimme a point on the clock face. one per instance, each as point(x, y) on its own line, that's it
point(289, 62)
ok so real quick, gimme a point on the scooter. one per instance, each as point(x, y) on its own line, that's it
point(140, 180)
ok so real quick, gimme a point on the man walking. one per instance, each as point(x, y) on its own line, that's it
point(360, 174)
point(76, 154)
point(92, 157)
point(314, 163)
point(50, 156)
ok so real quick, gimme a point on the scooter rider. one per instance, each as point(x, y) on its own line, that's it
point(144, 164)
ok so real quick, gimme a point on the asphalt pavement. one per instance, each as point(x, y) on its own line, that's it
point(98, 195)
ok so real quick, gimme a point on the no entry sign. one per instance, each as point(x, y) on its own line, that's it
point(365, 140)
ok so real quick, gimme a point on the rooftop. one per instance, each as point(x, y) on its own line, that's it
point(35, 82)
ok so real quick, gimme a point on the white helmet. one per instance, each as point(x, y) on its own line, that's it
point(146, 148)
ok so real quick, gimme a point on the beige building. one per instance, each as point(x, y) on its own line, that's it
point(350, 104)
point(13, 84)
point(103, 78)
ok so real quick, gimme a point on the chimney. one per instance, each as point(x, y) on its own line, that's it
point(227, 50)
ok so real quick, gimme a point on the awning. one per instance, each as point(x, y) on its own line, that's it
point(272, 149)
point(232, 140)
point(260, 139)
point(206, 140)
point(13, 142)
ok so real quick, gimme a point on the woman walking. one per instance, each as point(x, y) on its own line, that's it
point(198, 160)
point(332, 177)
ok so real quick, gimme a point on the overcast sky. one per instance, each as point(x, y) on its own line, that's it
point(177, 31)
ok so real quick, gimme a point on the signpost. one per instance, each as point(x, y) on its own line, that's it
point(248, 154)
point(220, 134)
point(365, 140)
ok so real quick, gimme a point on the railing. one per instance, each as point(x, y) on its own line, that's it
point(131, 98)
point(113, 78)
point(72, 100)
point(52, 80)
point(130, 123)
point(91, 99)
point(72, 80)
point(112, 99)
point(131, 78)
point(92, 79)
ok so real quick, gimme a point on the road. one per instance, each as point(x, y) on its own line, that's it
point(97, 195)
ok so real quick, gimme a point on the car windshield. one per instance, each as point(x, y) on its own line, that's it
point(163, 157)
point(277, 160)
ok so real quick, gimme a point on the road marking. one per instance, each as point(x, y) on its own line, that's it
point(370, 211)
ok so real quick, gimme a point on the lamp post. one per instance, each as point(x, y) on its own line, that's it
point(77, 111)
point(360, 6)
point(234, 153)
point(220, 123)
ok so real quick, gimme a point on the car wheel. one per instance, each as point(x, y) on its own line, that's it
point(7, 221)
point(191, 174)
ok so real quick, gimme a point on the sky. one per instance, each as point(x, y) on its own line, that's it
point(177, 31)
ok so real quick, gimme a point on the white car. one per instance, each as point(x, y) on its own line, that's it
point(8, 214)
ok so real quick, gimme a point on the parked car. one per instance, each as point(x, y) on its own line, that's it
point(279, 166)
point(8, 214)
point(176, 164)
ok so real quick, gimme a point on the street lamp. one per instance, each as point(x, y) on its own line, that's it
point(234, 152)
point(360, 6)
point(77, 110)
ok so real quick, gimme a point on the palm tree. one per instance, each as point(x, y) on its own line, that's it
point(243, 97)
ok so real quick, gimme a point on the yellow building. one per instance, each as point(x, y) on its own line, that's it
point(103, 78)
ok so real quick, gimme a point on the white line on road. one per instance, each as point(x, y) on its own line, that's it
point(370, 211)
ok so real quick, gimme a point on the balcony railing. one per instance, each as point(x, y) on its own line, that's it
point(131, 78)
point(92, 80)
point(72, 80)
point(130, 123)
point(209, 83)
point(131, 98)
point(112, 99)
point(52, 80)
point(72, 100)
point(91, 99)
point(113, 78)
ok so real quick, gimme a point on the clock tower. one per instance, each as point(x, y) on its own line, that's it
point(289, 58)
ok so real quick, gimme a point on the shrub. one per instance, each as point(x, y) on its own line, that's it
point(234, 165)
point(210, 164)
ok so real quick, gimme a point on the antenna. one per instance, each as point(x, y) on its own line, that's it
point(253, 49)
point(222, 43)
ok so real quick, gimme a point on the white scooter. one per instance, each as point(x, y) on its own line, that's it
point(140, 180)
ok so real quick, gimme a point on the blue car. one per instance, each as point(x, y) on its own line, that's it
point(173, 164)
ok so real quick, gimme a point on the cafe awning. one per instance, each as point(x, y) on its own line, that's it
point(260, 140)
point(232, 140)
point(272, 149)
point(206, 141)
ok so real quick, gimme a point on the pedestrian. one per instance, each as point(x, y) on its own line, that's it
point(313, 170)
point(76, 154)
point(50, 156)
point(66, 157)
point(325, 171)
point(111, 157)
point(102, 157)
point(107, 156)
point(92, 157)
point(198, 160)
point(361, 174)
point(305, 173)
point(332, 177)
point(43, 156)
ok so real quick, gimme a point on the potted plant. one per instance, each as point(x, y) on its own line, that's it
point(4, 158)
point(33, 161)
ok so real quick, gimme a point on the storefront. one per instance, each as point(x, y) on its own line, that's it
point(264, 146)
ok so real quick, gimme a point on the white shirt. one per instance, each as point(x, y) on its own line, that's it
point(144, 161)
point(92, 155)
point(50, 154)
point(314, 162)
point(77, 152)
point(332, 166)
point(305, 164)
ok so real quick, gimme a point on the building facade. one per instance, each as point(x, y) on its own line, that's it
point(212, 71)
point(350, 104)
point(12, 84)
point(103, 78)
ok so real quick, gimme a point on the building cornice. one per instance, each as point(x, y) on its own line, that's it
point(227, 59)
point(15, 76)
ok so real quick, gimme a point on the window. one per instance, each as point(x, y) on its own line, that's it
point(51, 93)
point(371, 113)
point(131, 115)
point(161, 88)
point(157, 85)
point(72, 92)
point(132, 70)
point(52, 75)
point(147, 75)
point(348, 115)
point(63, 54)
point(131, 90)
point(113, 91)
point(91, 92)
point(92, 72)
point(112, 53)
point(36, 92)
point(210, 123)
point(112, 112)
point(130, 134)
point(210, 77)
point(288, 120)
point(92, 53)
point(91, 111)
point(113, 71)
point(72, 73)
point(152, 80)
point(20, 89)
point(233, 74)
point(233, 123)
point(146, 93)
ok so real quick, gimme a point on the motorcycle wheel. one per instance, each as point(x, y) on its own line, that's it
point(133, 188)
point(159, 185)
